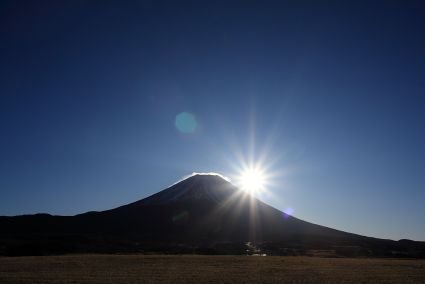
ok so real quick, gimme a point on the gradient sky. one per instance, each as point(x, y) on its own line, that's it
point(105, 102)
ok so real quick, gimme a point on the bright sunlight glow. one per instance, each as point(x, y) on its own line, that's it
point(252, 181)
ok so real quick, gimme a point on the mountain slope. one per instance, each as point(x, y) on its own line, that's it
point(208, 207)
point(202, 211)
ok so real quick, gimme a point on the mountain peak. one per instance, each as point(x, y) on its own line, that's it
point(205, 176)
point(196, 187)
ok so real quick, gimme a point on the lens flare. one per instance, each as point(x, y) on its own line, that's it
point(186, 122)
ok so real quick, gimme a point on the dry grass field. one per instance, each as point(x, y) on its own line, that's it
point(207, 269)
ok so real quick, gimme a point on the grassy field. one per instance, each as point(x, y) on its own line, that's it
point(207, 269)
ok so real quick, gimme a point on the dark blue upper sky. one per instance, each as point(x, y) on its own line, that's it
point(329, 95)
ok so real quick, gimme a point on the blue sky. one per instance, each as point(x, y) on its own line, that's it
point(328, 95)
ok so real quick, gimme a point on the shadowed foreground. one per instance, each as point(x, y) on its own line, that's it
point(195, 269)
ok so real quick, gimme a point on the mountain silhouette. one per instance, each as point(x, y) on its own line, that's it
point(204, 213)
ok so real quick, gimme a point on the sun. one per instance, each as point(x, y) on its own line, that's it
point(252, 181)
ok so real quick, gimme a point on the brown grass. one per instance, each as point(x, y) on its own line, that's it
point(207, 269)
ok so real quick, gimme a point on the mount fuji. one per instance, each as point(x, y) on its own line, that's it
point(204, 213)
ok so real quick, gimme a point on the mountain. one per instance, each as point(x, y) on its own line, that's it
point(203, 214)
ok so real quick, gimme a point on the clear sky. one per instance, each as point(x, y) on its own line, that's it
point(105, 102)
